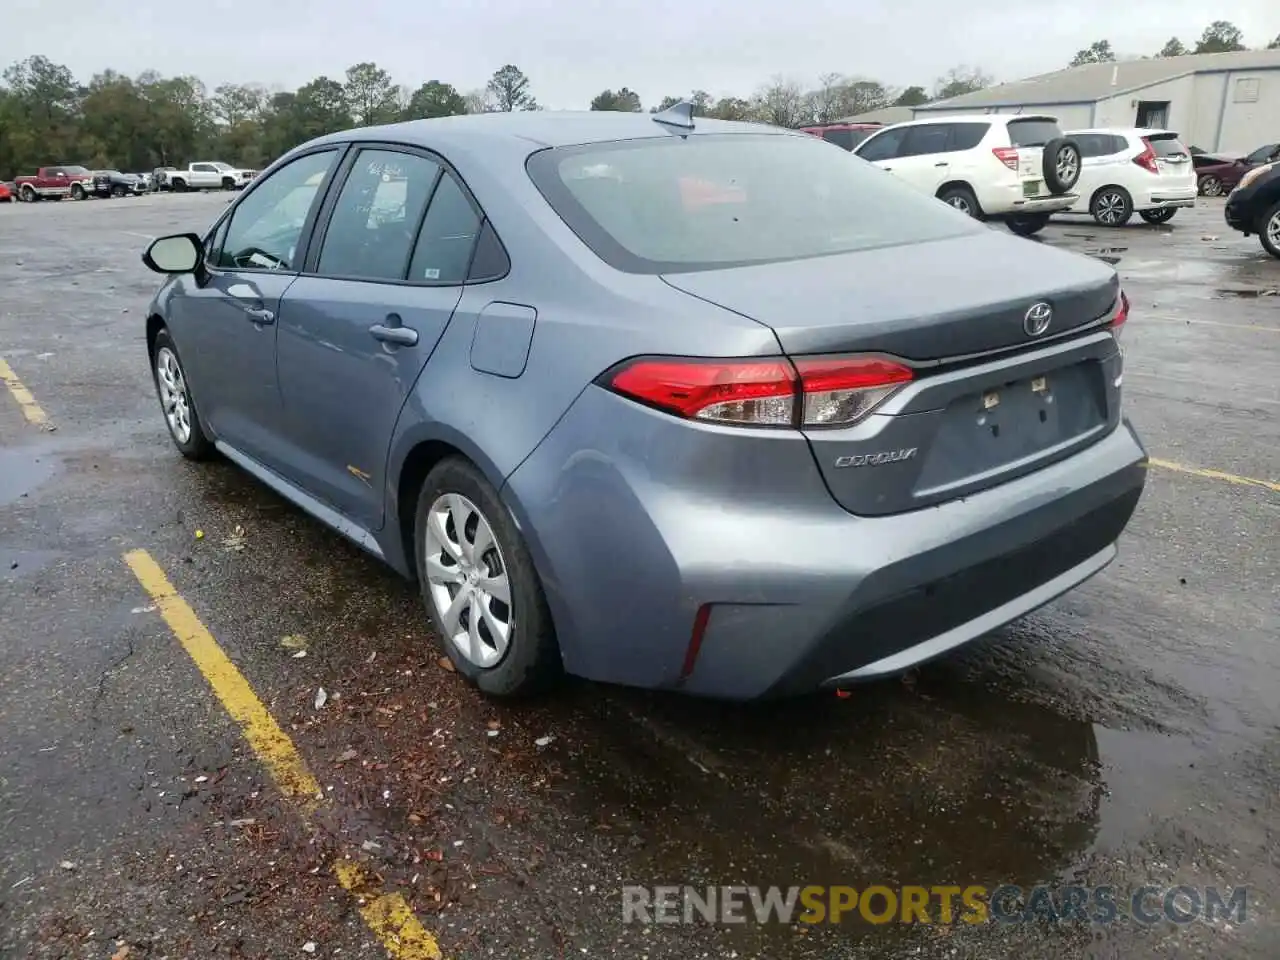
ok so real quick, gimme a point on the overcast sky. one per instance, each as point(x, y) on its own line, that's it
point(572, 49)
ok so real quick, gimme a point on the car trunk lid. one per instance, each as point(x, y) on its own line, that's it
point(986, 405)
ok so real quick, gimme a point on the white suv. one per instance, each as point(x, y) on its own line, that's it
point(1128, 170)
point(1018, 168)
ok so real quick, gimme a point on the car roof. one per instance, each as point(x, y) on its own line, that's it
point(1002, 119)
point(1127, 131)
point(543, 128)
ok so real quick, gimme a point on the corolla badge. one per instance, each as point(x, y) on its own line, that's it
point(1037, 319)
point(875, 459)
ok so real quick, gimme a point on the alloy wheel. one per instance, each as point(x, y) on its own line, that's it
point(1068, 165)
point(467, 580)
point(961, 203)
point(173, 394)
point(1273, 229)
point(1211, 187)
point(1110, 208)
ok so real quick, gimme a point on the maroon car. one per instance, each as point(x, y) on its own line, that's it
point(847, 135)
point(1218, 175)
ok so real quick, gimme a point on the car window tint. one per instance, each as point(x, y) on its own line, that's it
point(926, 139)
point(1262, 153)
point(1167, 146)
point(883, 146)
point(966, 136)
point(1033, 132)
point(443, 251)
point(377, 214)
point(267, 224)
point(490, 261)
point(841, 138)
point(658, 205)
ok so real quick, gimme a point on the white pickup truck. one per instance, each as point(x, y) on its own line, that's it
point(207, 175)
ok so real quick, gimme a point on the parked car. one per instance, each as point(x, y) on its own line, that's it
point(1216, 176)
point(1019, 168)
point(6, 191)
point(209, 176)
point(144, 179)
point(612, 408)
point(846, 135)
point(113, 183)
point(1254, 206)
point(1128, 170)
point(54, 183)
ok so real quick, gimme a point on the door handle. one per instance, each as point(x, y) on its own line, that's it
point(401, 336)
point(887, 169)
point(259, 315)
point(944, 163)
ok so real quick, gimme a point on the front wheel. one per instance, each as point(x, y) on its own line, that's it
point(174, 391)
point(1269, 231)
point(1112, 206)
point(1158, 216)
point(179, 186)
point(479, 584)
point(117, 191)
point(77, 192)
point(1028, 224)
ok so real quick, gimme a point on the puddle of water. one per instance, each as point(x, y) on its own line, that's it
point(21, 471)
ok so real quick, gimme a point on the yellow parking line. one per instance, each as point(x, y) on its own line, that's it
point(387, 915)
point(30, 409)
point(1216, 475)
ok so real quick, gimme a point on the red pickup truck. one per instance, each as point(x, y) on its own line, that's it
point(54, 183)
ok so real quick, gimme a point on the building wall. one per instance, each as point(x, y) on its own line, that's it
point(1194, 120)
point(1249, 123)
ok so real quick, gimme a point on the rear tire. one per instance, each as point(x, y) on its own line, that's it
point(1061, 165)
point(1158, 216)
point(1111, 206)
point(1028, 224)
point(526, 659)
point(1269, 230)
point(963, 199)
point(174, 393)
point(117, 191)
point(28, 194)
point(1210, 186)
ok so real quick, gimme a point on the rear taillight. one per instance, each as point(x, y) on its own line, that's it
point(1147, 158)
point(1119, 316)
point(768, 392)
point(1007, 155)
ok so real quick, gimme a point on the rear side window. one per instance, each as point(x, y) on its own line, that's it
point(710, 201)
point(926, 139)
point(966, 136)
point(449, 231)
point(1033, 132)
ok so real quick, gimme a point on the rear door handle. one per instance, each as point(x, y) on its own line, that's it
point(259, 315)
point(944, 163)
point(401, 336)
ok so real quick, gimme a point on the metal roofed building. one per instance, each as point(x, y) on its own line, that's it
point(1215, 101)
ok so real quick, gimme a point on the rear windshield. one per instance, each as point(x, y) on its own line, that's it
point(1167, 145)
point(670, 204)
point(1033, 132)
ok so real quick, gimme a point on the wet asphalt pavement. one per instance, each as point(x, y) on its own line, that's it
point(1128, 734)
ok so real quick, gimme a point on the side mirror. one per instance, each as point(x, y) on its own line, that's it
point(180, 253)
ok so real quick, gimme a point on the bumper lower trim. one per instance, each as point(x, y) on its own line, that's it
point(991, 620)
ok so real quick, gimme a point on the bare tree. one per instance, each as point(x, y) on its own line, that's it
point(781, 102)
point(960, 80)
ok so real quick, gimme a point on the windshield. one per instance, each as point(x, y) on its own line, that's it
point(76, 171)
point(667, 204)
point(223, 166)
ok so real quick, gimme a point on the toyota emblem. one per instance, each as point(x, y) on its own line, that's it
point(1037, 319)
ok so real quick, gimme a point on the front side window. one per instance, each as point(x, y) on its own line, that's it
point(377, 214)
point(266, 226)
point(665, 205)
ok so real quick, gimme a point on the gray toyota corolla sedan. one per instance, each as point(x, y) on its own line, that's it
point(658, 401)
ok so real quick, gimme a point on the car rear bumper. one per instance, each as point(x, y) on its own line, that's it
point(724, 568)
point(1006, 201)
point(1162, 198)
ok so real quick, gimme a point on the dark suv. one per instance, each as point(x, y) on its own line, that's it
point(113, 183)
point(847, 135)
point(1254, 206)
